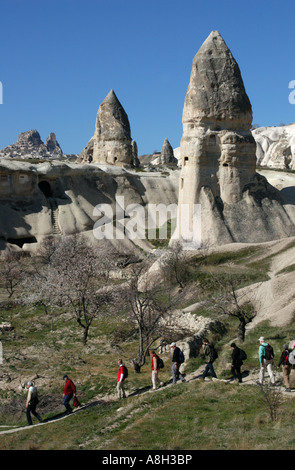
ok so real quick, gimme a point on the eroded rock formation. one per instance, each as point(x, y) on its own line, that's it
point(111, 143)
point(218, 156)
point(30, 145)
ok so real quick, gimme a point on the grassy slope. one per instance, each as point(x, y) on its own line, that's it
point(189, 416)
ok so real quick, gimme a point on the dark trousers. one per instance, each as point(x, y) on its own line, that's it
point(236, 371)
point(209, 368)
point(67, 399)
point(32, 409)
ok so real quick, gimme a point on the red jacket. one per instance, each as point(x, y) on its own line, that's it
point(120, 372)
point(152, 363)
point(69, 387)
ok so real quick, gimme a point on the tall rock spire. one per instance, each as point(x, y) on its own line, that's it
point(218, 156)
point(216, 95)
point(111, 143)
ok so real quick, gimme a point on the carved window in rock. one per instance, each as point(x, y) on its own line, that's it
point(185, 160)
point(4, 180)
point(23, 179)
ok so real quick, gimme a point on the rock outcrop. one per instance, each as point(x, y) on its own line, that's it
point(30, 145)
point(275, 146)
point(167, 154)
point(111, 143)
point(218, 155)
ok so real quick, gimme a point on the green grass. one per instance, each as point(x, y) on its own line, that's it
point(210, 415)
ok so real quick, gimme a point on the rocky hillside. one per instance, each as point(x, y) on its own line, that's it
point(30, 145)
point(275, 146)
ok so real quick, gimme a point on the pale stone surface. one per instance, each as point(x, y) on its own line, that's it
point(218, 156)
point(111, 143)
point(30, 145)
point(167, 154)
point(275, 146)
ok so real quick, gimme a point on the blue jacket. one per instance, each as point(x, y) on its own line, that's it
point(261, 352)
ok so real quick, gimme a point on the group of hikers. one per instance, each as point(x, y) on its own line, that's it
point(207, 352)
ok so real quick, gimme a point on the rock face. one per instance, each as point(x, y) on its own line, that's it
point(275, 146)
point(30, 145)
point(218, 157)
point(167, 154)
point(111, 143)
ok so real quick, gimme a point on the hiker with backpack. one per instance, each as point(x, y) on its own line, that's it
point(156, 364)
point(122, 375)
point(209, 353)
point(31, 403)
point(238, 355)
point(177, 360)
point(286, 366)
point(266, 359)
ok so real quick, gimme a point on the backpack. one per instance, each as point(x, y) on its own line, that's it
point(214, 354)
point(160, 363)
point(125, 372)
point(292, 357)
point(243, 355)
point(268, 352)
point(181, 357)
point(286, 360)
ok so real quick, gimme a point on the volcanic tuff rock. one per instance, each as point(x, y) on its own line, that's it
point(275, 146)
point(218, 155)
point(167, 154)
point(30, 145)
point(111, 143)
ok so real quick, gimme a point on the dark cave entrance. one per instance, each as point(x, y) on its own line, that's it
point(45, 187)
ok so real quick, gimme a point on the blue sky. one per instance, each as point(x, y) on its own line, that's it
point(60, 58)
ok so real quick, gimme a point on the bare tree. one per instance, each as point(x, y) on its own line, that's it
point(174, 264)
point(148, 306)
point(76, 277)
point(11, 271)
point(229, 299)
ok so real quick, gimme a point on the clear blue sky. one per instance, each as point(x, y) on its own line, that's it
point(60, 58)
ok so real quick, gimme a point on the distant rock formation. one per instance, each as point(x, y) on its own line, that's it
point(111, 143)
point(167, 154)
point(275, 146)
point(30, 145)
point(218, 155)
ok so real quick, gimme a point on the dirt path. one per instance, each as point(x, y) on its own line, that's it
point(248, 379)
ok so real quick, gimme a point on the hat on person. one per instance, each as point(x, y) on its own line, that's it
point(261, 338)
point(30, 384)
point(172, 344)
point(286, 346)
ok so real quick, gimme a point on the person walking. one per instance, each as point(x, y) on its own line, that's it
point(176, 363)
point(155, 370)
point(266, 357)
point(286, 366)
point(120, 380)
point(69, 392)
point(207, 352)
point(31, 403)
point(236, 362)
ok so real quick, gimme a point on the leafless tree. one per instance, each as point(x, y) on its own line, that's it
point(174, 264)
point(148, 306)
point(11, 271)
point(229, 299)
point(75, 276)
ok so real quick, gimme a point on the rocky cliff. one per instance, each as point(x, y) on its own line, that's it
point(218, 157)
point(275, 146)
point(30, 145)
